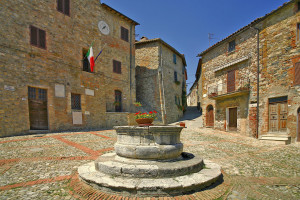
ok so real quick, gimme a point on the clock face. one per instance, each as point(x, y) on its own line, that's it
point(103, 27)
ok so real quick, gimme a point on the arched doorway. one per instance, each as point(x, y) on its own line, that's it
point(298, 125)
point(210, 116)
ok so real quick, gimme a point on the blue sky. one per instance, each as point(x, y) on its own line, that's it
point(185, 24)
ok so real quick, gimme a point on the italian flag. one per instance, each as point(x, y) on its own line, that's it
point(90, 57)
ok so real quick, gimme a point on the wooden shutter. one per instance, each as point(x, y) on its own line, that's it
point(60, 6)
point(297, 73)
point(124, 34)
point(33, 35)
point(67, 7)
point(116, 66)
point(42, 39)
point(231, 81)
point(175, 76)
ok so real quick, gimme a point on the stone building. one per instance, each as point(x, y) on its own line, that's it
point(230, 78)
point(192, 97)
point(160, 78)
point(46, 81)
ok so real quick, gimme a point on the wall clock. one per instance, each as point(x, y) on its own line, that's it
point(103, 27)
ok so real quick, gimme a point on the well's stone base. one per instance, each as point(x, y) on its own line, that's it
point(114, 165)
point(154, 182)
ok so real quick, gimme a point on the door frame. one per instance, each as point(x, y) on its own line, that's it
point(210, 106)
point(48, 103)
point(227, 117)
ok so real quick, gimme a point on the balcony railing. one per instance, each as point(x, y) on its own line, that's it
point(241, 86)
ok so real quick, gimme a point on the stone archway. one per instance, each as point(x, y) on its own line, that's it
point(298, 125)
point(210, 116)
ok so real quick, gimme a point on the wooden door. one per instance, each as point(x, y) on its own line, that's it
point(210, 116)
point(38, 112)
point(278, 117)
point(273, 117)
point(232, 119)
point(231, 81)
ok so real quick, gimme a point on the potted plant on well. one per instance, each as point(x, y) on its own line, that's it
point(144, 119)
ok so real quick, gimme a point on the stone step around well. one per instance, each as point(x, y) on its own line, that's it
point(176, 185)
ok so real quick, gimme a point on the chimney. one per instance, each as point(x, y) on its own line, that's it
point(143, 38)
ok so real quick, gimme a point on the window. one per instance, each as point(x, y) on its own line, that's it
point(298, 6)
point(174, 58)
point(118, 101)
point(85, 61)
point(175, 77)
point(116, 66)
point(75, 101)
point(231, 81)
point(231, 46)
point(64, 6)
point(37, 37)
point(297, 73)
point(124, 34)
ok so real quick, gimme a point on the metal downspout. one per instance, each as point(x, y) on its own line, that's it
point(130, 72)
point(257, 84)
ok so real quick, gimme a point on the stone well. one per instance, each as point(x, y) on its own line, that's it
point(148, 161)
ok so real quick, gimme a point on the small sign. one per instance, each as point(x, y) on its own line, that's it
point(59, 90)
point(77, 117)
point(87, 113)
point(89, 92)
point(9, 88)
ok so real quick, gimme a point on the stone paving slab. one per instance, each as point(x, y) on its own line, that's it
point(44, 166)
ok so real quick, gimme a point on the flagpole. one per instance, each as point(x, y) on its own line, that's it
point(100, 51)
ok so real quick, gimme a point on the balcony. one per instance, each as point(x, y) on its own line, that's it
point(222, 91)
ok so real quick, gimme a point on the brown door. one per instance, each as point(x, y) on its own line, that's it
point(231, 81)
point(273, 117)
point(277, 117)
point(232, 119)
point(38, 113)
point(210, 116)
point(298, 137)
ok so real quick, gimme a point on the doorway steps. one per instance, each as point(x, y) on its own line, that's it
point(277, 138)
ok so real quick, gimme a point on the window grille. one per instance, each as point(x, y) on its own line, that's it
point(75, 101)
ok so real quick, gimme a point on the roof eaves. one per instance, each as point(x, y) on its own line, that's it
point(244, 28)
point(118, 13)
point(164, 43)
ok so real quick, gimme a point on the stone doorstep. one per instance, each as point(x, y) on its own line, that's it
point(280, 139)
point(148, 186)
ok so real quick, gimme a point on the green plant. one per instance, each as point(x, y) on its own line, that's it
point(140, 115)
point(137, 104)
point(177, 82)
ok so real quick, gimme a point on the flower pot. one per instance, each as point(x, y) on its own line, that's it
point(145, 121)
point(182, 124)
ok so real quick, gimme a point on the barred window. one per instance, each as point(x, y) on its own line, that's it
point(75, 101)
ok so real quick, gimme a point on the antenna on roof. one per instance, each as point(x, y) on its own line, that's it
point(210, 37)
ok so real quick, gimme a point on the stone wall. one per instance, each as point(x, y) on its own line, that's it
point(215, 65)
point(279, 51)
point(148, 88)
point(60, 64)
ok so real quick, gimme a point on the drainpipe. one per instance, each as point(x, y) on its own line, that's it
point(257, 84)
point(161, 92)
point(130, 68)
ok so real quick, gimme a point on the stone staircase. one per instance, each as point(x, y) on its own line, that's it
point(277, 138)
